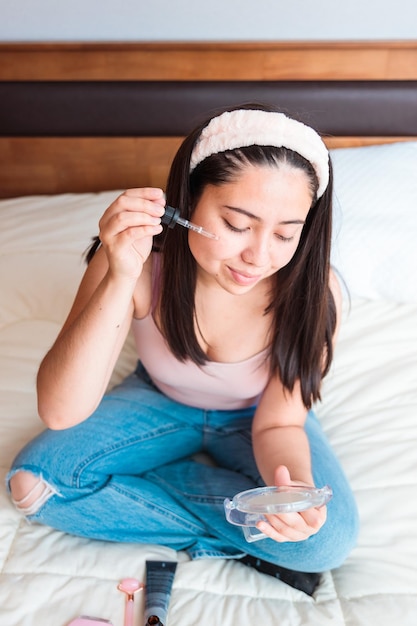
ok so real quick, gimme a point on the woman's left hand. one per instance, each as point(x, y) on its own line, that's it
point(292, 526)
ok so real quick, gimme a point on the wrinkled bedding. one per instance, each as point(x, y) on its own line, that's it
point(369, 411)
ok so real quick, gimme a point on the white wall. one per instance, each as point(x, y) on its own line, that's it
point(197, 20)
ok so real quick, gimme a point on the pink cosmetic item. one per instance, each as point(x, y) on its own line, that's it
point(129, 586)
point(84, 620)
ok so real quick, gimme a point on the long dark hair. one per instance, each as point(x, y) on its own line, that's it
point(302, 305)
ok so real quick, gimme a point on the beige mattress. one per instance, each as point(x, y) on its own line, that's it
point(369, 412)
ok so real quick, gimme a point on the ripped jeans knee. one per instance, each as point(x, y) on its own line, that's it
point(29, 492)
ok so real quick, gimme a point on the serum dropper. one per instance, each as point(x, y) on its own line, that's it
point(171, 217)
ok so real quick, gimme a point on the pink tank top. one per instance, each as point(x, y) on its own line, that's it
point(221, 386)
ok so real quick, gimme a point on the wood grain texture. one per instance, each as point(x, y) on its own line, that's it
point(210, 61)
point(41, 165)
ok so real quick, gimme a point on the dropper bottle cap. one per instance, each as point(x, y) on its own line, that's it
point(154, 620)
point(172, 216)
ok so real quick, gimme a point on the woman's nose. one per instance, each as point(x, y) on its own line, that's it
point(258, 252)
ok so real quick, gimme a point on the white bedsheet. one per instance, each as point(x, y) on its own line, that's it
point(369, 412)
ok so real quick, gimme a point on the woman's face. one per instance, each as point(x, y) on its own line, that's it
point(258, 219)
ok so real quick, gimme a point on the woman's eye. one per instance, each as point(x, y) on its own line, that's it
point(282, 238)
point(234, 228)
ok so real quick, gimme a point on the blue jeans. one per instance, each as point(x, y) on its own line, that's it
point(126, 474)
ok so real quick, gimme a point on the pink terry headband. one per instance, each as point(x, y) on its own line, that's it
point(250, 127)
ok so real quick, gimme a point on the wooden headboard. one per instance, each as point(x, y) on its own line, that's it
point(91, 117)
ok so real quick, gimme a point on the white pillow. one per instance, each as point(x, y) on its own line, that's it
point(375, 220)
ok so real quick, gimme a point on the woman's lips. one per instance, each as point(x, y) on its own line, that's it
point(242, 278)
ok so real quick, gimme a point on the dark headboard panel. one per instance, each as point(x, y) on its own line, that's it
point(89, 117)
point(171, 108)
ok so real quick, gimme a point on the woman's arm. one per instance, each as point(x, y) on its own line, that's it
point(278, 434)
point(282, 450)
point(282, 454)
point(75, 372)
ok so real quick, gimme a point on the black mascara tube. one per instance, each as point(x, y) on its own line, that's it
point(159, 579)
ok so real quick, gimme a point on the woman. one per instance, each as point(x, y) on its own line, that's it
point(234, 334)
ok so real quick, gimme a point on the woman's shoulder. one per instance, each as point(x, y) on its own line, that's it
point(335, 288)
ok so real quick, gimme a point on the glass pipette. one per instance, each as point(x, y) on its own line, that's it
point(171, 217)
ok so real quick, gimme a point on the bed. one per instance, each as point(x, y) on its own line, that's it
point(79, 123)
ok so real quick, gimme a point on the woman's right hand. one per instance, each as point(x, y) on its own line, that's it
point(127, 229)
point(75, 372)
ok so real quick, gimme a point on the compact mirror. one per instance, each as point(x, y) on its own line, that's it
point(247, 508)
